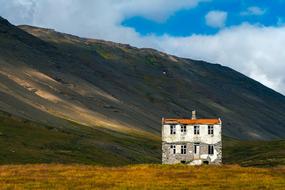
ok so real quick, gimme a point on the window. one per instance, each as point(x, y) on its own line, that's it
point(210, 129)
point(210, 149)
point(183, 149)
point(173, 148)
point(196, 148)
point(183, 129)
point(196, 130)
point(172, 129)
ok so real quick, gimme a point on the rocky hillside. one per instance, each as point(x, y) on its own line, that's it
point(62, 80)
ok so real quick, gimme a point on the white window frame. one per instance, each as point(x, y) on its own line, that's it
point(210, 129)
point(172, 129)
point(183, 149)
point(183, 129)
point(173, 148)
point(196, 130)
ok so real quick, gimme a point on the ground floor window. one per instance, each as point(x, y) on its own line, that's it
point(173, 148)
point(183, 149)
point(210, 149)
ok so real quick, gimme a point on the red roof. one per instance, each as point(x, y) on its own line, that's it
point(192, 121)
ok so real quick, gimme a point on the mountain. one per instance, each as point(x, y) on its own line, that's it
point(58, 76)
point(45, 119)
point(110, 97)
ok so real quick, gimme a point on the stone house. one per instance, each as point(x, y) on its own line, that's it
point(191, 141)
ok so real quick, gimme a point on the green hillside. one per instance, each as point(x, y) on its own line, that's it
point(254, 153)
point(23, 141)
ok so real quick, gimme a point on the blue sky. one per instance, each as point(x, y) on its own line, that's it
point(190, 21)
point(246, 35)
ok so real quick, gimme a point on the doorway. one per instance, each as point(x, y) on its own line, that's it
point(196, 151)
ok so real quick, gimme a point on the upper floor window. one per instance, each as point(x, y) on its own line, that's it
point(183, 149)
point(210, 129)
point(173, 148)
point(211, 149)
point(183, 129)
point(172, 129)
point(196, 130)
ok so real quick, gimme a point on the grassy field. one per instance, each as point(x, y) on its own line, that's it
point(140, 177)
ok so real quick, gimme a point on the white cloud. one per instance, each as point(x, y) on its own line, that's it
point(216, 19)
point(19, 11)
point(257, 11)
point(158, 10)
point(253, 50)
point(91, 18)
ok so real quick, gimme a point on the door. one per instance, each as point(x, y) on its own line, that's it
point(196, 151)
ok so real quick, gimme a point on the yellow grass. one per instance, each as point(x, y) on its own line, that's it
point(53, 176)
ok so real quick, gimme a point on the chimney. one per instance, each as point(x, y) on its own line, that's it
point(193, 114)
point(162, 120)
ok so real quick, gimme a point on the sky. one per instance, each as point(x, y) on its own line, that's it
point(246, 35)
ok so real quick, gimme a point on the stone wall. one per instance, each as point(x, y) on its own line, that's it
point(169, 158)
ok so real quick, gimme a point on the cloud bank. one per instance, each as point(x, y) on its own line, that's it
point(254, 50)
